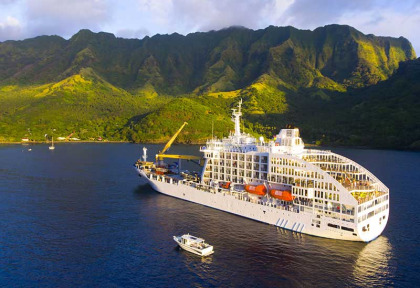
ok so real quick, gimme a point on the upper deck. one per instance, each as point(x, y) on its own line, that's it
point(359, 181)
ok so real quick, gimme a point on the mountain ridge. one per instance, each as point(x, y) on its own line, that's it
point(280, 72)
point(255, 52)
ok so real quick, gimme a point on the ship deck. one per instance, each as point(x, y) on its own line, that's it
point(296, 207)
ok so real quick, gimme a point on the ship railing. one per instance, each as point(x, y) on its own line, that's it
point(239, 195)
point(370, 195)
point(317, 161)
point(277, 205)
point(347, 218)
point(331, 169)
point(363, 170)
point(348, 212)
point(335, 209)
point(306, 209)
point(352, 187)
point(316, 151)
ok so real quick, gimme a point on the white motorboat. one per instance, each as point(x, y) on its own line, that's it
point(194, 245)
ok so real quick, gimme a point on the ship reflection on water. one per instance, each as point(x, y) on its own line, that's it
point(373, 263)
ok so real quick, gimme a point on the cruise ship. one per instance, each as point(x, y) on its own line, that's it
point(278, 182)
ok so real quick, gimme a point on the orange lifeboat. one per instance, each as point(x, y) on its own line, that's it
point(224, 185)
point(256, 189)
point(160, 170)
point(284, 195)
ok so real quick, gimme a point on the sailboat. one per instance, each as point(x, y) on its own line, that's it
point(52, 144)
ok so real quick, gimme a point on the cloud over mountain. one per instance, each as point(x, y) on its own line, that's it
point(138, 18)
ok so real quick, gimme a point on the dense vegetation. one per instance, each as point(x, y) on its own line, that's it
point(335, 83)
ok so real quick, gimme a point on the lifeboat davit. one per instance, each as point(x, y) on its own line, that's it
point(284, 195)
point(225, 185)
point(256, 189)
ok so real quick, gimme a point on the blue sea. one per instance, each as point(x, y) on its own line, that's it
point(79, 216)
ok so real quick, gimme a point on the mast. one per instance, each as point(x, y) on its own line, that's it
point(212, 129)
point(144, 154)
point(236, 118)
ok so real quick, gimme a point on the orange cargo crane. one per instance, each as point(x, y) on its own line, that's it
point(68, 137)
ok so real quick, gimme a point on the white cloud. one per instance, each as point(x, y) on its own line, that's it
point(309, 14)
point(382, 18)
point(387, 22)
point(186, 16)
point(160, 10)
point(10, 29)
point(65, 17)
point(7, 2)
point(137, 18)
point(273, 13)
point(132, 33)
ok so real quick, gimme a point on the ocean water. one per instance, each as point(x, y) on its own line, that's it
point(79, 216)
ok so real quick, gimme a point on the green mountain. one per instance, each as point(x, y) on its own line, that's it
point(334, 82)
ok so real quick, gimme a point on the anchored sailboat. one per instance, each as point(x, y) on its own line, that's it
point(52, 144)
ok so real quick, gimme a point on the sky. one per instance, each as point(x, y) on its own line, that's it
point(21, 19)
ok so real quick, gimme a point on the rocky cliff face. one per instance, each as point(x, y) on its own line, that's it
point(333, 57)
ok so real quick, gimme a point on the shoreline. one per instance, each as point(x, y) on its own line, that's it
point(307, 146)
point(92, 141)
point(57, 142)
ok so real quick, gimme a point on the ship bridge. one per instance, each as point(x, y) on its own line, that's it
point(288, 141)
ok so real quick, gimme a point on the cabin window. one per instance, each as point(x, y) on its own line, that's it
point(347, 229)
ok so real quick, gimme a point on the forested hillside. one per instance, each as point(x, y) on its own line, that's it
point(335, 83)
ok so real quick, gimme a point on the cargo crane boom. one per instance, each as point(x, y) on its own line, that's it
point(168, 145)
point(161, 155)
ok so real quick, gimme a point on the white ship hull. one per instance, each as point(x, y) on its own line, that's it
point(299, 222)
